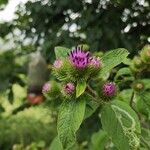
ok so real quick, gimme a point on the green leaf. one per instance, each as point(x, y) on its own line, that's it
point(125, 95)
point(56, 145)
point(142, 105)
point(121, 124)
point(70, 118)
point(146, 83)
point(61, 52)
point(145, 96)
point(112, 59)
point(145, 136)
point(99, 140)
point(80, 88)
point(127, 61)
point(123, 72)
point(91, 106)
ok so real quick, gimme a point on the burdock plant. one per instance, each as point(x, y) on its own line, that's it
point(85, 88)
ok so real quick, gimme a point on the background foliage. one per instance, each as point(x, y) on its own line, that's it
point(41, 25)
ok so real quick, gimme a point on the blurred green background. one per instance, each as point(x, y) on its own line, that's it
point(39, 26)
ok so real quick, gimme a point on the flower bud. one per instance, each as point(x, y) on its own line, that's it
point(109, 89)
point(95, 62)
point(60, 69)
point(137, 62)
point(51, 89)
point(58, 63)
point(84, 47)
point(69, 88)
point(138, 86)
point(145, 54)
point(46, 87)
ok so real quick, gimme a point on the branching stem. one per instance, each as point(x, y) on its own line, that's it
point(94, 95)
point(91, 91)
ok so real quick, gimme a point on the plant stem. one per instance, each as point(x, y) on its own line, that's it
point(93, 98)
point(131, 104)
point(131, 100)
point(91, 91)
point(94, 95)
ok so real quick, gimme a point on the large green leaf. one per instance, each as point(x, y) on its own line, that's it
point(56, 145)
point(125, 95)
point(112, 59)
point(61, 52)
point(142, 104)
point(80, 88)
point(99, 140)
point(121, 124)
point(70, 118)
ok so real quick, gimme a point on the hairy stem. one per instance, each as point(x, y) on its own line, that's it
point(91, 91)
point(94, 95)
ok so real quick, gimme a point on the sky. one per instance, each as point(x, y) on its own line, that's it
point(8, 13)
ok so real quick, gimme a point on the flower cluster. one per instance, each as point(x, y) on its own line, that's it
point(78, 65)
point(75, 68)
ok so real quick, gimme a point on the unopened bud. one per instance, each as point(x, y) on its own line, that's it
point(109, 89)
point(69, 88)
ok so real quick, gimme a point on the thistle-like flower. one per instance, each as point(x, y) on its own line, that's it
point(79, 58)
point(46, 87)
point(95, 62)
point(69, 88)
point(58, 63)
point(109, 89)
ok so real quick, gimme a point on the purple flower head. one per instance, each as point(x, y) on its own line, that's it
point(46, 87)
point(69, 88)
point(109, 89)
point(95, 61)
point(79, 58)
point(58, 63)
